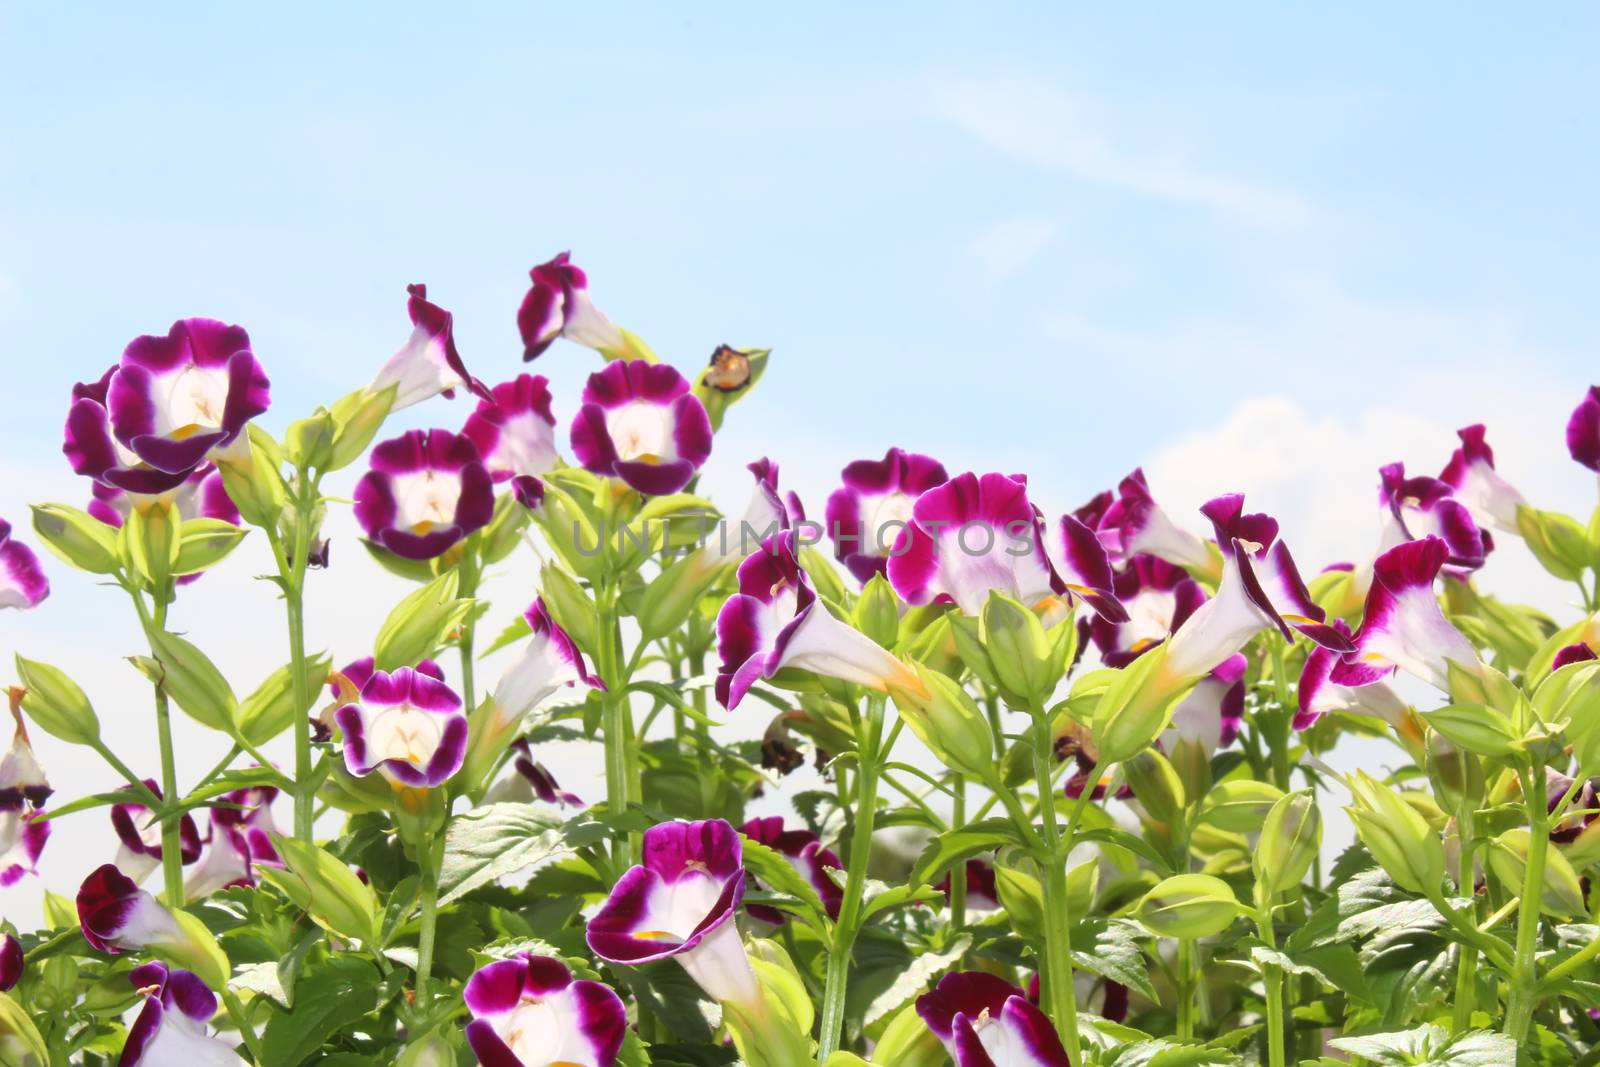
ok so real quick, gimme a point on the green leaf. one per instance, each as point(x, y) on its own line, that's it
point(1110, 948)
point(899, 896)
point(328, 998)
point(955, 846)
point(489, 842)
point(1431, 1046)
point(778, 874)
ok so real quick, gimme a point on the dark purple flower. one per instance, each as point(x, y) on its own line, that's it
point(428, 363)
point(240, 840)
point(23, 785)
point(1134, 523)
point(804, 851)
point(139, 832)
point(10, 962)
point(22, 838)
point(640, 423)
point(1327, 684)
point(985, 1021)
point(407, 726)
point(171, 1030)
point(94, 451)
point(1403, 626)
point(981, 892)
point(1574, 653)
point(1158, 597)
point(866, 515)
point(117, 916)
point(681, 903)
point(558, 305)
point(1213, 712)
point(1423, 507)
point(514, 429)
point(767, 513)
point(427, 490)
point(528, 1011)
point(1470, 472)
point(22, 580)
point(1583, 430)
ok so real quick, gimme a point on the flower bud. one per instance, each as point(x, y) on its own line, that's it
point(308, 442)
point(1396, 835)
point(148, 540)
point(429, 1050)
point(877, 612)
point(55, 702)
point(77, 537)
point(1562, 895)
point(271, 709)
point(1193, 764)
point(1137, 706)
point(1557, 541)
point(907, 1042)
point(1018, 647)
point(419, 623)
point(963, 631)
point(1157, 786)
point(669, 598)
point(1022, 897)
point(1188, 906)
point(1571, 695)
point(947, 720)
point(1477, 728)
point(357, 418)
point(251, 473)
point(1239, 806)
point(570, 606)
point(325, 888)
point(203, 543)
point(1290, 839)
point(189, 677)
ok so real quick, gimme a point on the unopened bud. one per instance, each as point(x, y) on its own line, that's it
point(946, 719)
point(1157, 786)
point(77, 537)
point(1455, 774)
point(1188, 906)
point(877, 612)
point(907, 1042)
point(1397, 836)
point(1290, 839)
point(1562, 895)
point(56, 703)
point(1239, 806)
point(325, 888)
point(1022, 654)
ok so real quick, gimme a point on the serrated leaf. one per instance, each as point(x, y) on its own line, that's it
point(495, 840)
point(1110, 948)
point(1431, 1046)
point(328, 998)
point(914, 979)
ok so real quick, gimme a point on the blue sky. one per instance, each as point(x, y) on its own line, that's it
point(1260, 247)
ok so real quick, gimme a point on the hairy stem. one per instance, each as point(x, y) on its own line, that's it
point(1272, 980)
point(428, 921)
point(1059, 994)
point(1186, 986)
point(1524, 977)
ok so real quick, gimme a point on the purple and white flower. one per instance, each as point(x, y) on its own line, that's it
point(1134, 523)
point(1157, 596)
point(426, 491)
point(139, 831)
point(22, 838)
point(681, 903)
point(1403, 625)
point(94, 451)
point(1213, 711)
point(359, 671)
point(985, 1021)
point(178, 400)
point(1583, 430)
point(865, 516)
point(970, 535)
point(766, 514)
point(23, 785)
point(640, 423)
point(558, 305)
point(531, 780)
point(117, 916)
point(428, 364)
point(201, 495)
point(1425, 507)
point(11, 962)
point(170, 1030)
point(406, 726)
point(776, 621)
point(1329, 682)
point(1577, 652)
point(528, 1011)
point(514, 429)
point(1470, 472)
point(1260, 589)
point(240, 840)
point(22, 580)
point(803, 849)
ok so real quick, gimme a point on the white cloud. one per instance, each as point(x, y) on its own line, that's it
point(1038, 123)
point(1007, 248)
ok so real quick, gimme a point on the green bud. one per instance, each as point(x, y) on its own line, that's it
point(1188, 906)
point(947, 720)
point(1137, 706)
point(1455, 774)
point(570, 606)
point(877, 612)
point(669, 598)
point(149, 540)
point(1572, 696)
point(1022, 897)
point(418, 624)
point(729, 377)
point(1398, 837)
point(1562, 895)
point(1193, 765)
point(1018, 647)
point(1157, 785)
point(271, 709)
point(356, 795)
point(963, 631)
point(251, 470)
point(1083, 882)
point(203, 543)
point(59, 978)
point(325, 888)
point(308, 443)
point(20, 1042)
point(1557, 541)
point(1290, 839)
point(189, 677)
point(429, 1050)
point(357, 418)
point(1476, 728)
point(907, 1042)
point(55, 702)
point(77, 537)
point(196, 950)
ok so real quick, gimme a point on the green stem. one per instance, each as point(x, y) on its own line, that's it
point(615, 715)
point(958, 873)
point(466, 587)
point(1524, 976)
point(1059, 993)
point(837, 975)
point(155, 621)
point(1272, 979)
point(1186, 986)
point(1279, 739)
point(293, 572)
point(241, 1021)
point(1467, 961)
point(427, 923)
